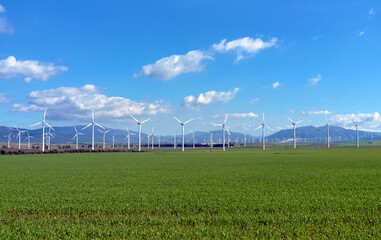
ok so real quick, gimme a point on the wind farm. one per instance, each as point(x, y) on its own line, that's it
point(190, 119)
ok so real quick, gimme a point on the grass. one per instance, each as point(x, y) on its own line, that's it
point(242, 193)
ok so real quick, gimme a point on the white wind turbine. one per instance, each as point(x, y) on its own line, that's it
point(193, 136)
point(92, 124)
point(174, 141)
point(294, 126)
point(43, 129)
point(148, 140)
point(182, 128)
point(113, 141)
point(227, 129)
point(263, 125)
point(244, 139)
point(223, 132)
point(327, 125)
point(49, 135)
point(357, 135)
point(140, 128)
point(76, 136)
point(128, 137)
point(9, 139)
point(211, 139)
point(28, 138)
point(104, 137)
point(19, 136)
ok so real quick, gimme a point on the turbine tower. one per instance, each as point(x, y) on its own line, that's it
point(227, 129)
point(211, 139)
point(294, 126)
point(43, 129)
point(76, 136)
point(182, 126)
point(48, 136)
point(9, 139)
point(28, 138)
point(152, 140)
point(104, 137)
point(113, 141)
point(327, 125)
point(128, 137)
point(193, 135)
point(174, 141)
point(148, 140)
point(140, 128)
point(244, 139)
point(19, 136)
point(357, 135)
point(223, 132)
point(92, 124)
point(263, 125)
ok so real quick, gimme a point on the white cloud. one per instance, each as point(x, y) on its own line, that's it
point(316, 113)
point(2, 9)
point(244, 45)
point(172, 66)
point(3, 98)
point(69, 103)
point(361, 33)
point(314, 80)
point(5, 27)
point(238, 115)
point(276, 84)
point(372, 12)
point(11, 68)
point(254, 100)
point(209, 97)
point(349, 120)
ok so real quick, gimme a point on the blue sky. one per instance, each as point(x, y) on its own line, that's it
point(148, 58)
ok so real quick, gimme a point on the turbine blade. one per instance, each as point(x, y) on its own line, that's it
point(145, 121)
point(188, 121)
point(75, 136)
point(269, 128)
point(98, 125)
point(92, 114)
point(178, 120)
point(290, 120)
point(49, 126)
point(226, 118)
point(87, 126)
point(100, 131)
point(134, 118)
point(44, 114)
point(35, 124)
point(299, 121)
point(75, 129)
point(108, 131)
point(81, 133)
point(258, 127)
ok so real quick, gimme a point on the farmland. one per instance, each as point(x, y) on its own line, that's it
point(241, 193)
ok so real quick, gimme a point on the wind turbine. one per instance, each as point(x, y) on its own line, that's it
point(92, 124)
point(28, 138)
point(19, 136)
point(152, 139)
point(223, 132)
point(148, 140)
point(193, 135)
point(43, 129)
point(128, 137)
point(263, 125)
point(113, 141)
point(76, 136)
point(244, 139)
point(327, 125)
point(294, 126)
point(140, 128)
point(357, 135)
point(182, 126)
point(104, 137)
point(49, 135)
point(211, 139)
point(227, 129)
point(174, 141)
point(9, 139)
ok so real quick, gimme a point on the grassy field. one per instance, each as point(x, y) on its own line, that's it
point(307, 193)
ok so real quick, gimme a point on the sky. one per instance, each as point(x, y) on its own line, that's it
point(308, 60)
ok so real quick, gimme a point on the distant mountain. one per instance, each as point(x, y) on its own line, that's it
point(64, 135)
point(319, 134)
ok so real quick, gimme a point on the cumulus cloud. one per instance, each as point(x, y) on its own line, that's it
point(314, 80)
point(69, 103)
point(316, 113)
point(2, 9)
point(243, 46)
point(276, 85)
point(172, 66)
point(349, 120)
point(11, 68)
point(209, 97)
point(372, 12)
point(3, 98)
point(238, 115)
point(254, 100)
point(5, 27)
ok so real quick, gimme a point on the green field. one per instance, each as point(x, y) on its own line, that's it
point(307, 193)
